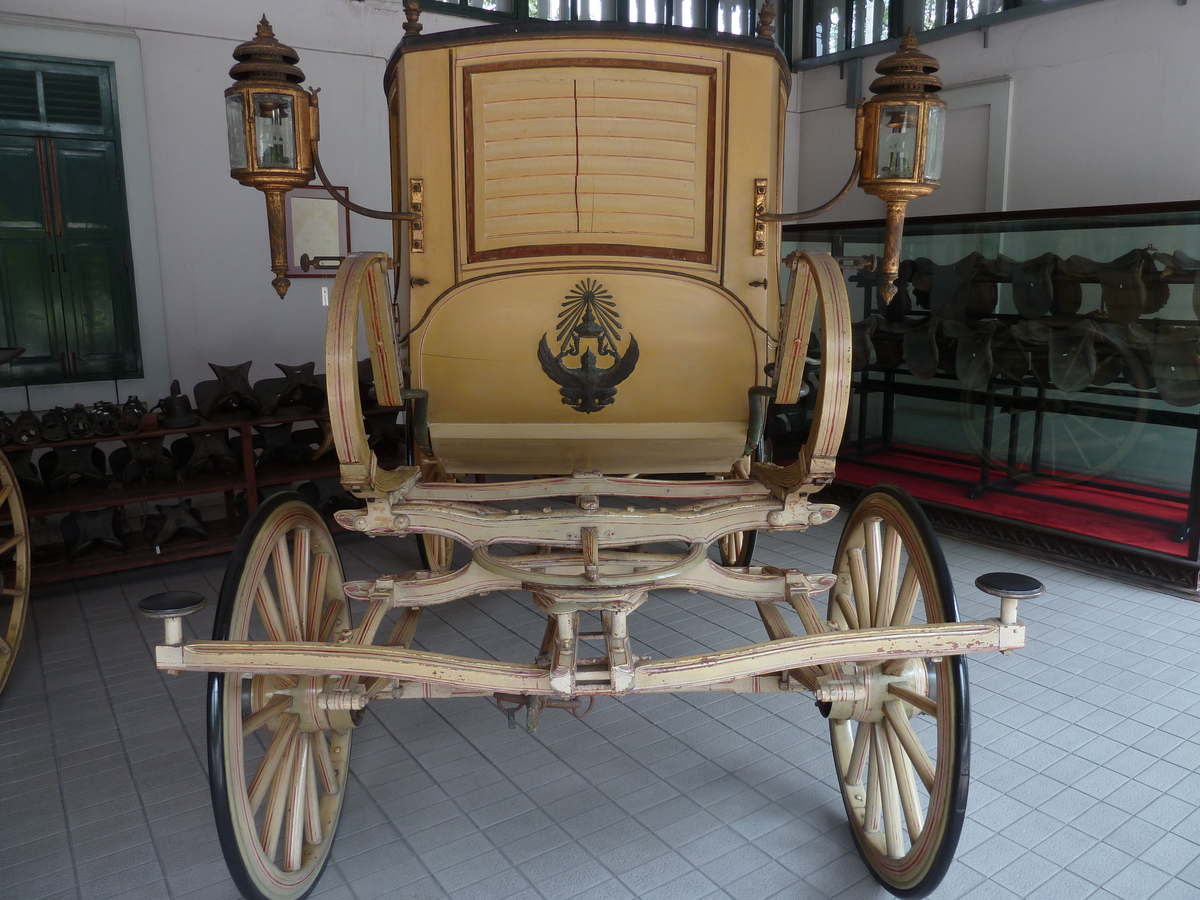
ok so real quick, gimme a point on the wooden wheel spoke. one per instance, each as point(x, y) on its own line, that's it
point(11, 542)
point(289, 602)
point(874, 807)
point(848, 611)
point(914, 816)
point(906, 598)
point(313, 832)
point(889, 792)
point(874, 550)
point(297, 806)
point(268, 609)
point(268, 767)
point(438, 551)
point(257, 720)
point(13, 592)
point(902, 729)
point(858, 755)
point(301, 574)
point(925, 704)
point(321, 624)
point(277, 799)
point(858, 580)
point(889, 573)
point(323, 764)
point(5, 647)
point(5, 493)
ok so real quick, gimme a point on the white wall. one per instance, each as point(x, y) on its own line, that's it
point(1103, 111)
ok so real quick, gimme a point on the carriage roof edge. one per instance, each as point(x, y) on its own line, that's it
point(532, 29)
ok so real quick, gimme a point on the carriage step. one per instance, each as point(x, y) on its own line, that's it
point(1010, 587)
point(171, 603)
point(171, 607)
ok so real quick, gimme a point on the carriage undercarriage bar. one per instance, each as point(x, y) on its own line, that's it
point(680, 674)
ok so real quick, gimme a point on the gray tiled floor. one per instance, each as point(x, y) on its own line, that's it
point(1085, 771)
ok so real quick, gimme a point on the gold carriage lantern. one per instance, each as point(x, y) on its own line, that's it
point(271, 122)
point(904, 127)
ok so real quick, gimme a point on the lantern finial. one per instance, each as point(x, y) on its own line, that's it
point(265, 58)
point(412, 16)
point(907, 70)
point(766, 21)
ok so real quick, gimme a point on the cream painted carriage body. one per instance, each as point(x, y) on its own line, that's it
point(551, 163)
point(586, 300)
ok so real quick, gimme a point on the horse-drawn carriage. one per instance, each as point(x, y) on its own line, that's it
point(588, 314)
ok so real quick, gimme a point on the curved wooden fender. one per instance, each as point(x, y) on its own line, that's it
point(816, 282)
point(361, 280)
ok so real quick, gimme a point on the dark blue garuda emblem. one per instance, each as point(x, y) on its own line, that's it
point(588, 329)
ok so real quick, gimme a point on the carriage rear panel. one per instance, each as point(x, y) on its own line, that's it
point(588, 247)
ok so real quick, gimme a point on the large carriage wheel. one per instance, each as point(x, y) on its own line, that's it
point(14, 567)
point(278, 762)
point(902, 763)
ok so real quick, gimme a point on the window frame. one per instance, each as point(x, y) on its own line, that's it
point(1014, 10)
point(783, 16)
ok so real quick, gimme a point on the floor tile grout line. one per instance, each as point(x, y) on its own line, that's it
point(132, 775)
point(62, 790)
point(426, 771)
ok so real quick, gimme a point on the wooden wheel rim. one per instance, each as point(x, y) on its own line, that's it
point(14, 538)
point(923, 857)
point(310, 761)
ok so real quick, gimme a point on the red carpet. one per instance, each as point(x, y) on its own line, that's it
point(1031, 504)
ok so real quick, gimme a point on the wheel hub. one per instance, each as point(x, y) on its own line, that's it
point(859, 691)
point(315, 700)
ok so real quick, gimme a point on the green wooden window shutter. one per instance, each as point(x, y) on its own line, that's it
point(66, 290)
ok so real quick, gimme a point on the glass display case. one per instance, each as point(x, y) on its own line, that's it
point(1036, 381)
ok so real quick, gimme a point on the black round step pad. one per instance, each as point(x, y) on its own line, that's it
point(171, 603)
point(1010, 584)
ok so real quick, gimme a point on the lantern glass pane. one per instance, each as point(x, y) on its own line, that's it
point(275, 131)
point(235, 126)
point(935, 138)
point(896, 155)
